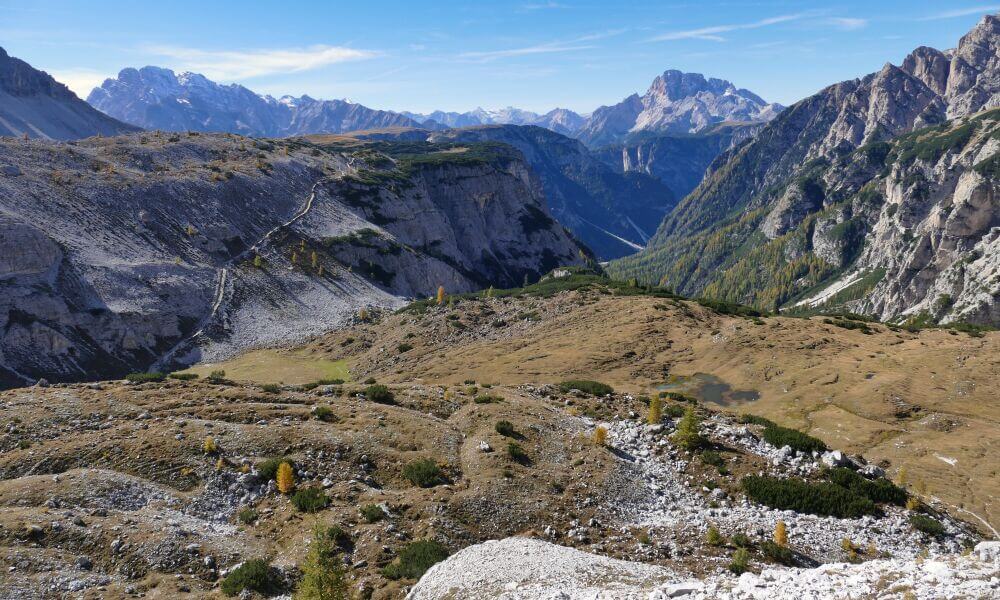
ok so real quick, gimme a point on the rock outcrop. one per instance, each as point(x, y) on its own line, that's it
point(35, 105)
point(157, 248)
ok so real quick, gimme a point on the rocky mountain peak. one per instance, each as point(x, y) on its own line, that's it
point(676, 102)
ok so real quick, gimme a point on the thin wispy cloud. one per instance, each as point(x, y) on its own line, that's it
point(543, 6)
point(848, 23)
point(584, 42)
point(713, 33)
point(961, 12)
point(236, 65)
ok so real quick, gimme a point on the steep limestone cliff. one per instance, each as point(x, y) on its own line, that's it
point(121, 253)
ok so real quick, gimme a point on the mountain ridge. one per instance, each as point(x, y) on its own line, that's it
point(780, 180)
point(34, 104)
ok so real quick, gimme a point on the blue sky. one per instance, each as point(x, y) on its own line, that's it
point(534, 54)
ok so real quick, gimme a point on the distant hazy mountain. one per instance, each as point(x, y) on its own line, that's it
point(676, 102)
point(33, 103)
point(560, 120)
point(156, 98)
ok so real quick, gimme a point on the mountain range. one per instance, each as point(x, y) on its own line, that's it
point(156, 98)
point(879, 190)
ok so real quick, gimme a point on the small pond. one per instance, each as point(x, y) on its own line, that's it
point(708, 388)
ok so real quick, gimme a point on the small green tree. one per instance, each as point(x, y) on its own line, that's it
point(655, 411)
point(687, 435)
point(713, 537)
point(323, 575)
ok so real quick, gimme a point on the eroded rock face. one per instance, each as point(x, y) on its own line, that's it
point(122, 253)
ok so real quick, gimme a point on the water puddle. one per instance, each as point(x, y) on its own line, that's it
point(708, 388)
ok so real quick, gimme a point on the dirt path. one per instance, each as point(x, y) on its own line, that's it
point(222, 278)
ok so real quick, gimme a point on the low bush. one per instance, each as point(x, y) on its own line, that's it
point(740, 562)
point(424, 473)
point(594, 388)
point(927, 525)
point(414, 560)
point(404, 347)
point(517, 453)
point(711, 457)
point(183, 376)
point(779, 436)
point(269, 468)
point(379, 393)
point(339, 537)
point(506, 429)
point(674, 411)
point(879, 490)
point(324, 413)
point(310, 499)
point(247, 515)
point(824, 498)
point(254, 575)
point(713, 537)
point(741, 540)
point(486, 399)
point(315, 384)
point(271, 388)
point(776, 552)
point(145, 377)
point(748, 419)
point(218, 376)
point(372, 513)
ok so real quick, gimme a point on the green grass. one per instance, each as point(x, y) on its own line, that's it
point(269, 366)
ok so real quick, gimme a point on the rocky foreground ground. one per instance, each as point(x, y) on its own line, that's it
point(521, 568)
point(113, 490)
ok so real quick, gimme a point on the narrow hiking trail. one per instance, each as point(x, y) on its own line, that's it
point(222, 276)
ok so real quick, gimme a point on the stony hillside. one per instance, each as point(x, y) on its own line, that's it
point(675, 102)
point(823, 168)
point(156, 248)
point(35, 105)
point(86, 501)
point(156, 98)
